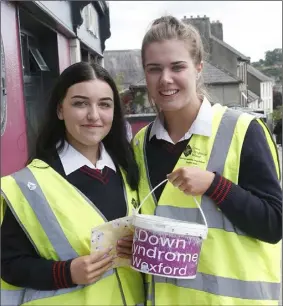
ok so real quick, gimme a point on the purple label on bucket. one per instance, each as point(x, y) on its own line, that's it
point(165, 254)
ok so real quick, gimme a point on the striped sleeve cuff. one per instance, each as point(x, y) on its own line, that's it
point(62, 274)
point(219, 189)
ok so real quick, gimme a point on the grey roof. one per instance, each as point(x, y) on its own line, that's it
point(259, 75)
point(126, 63)
point(224, 44)
point(252, 96)
point(211, 75)
point(254, 112)
point(215, 75)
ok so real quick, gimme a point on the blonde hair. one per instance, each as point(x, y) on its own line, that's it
point(169, 28)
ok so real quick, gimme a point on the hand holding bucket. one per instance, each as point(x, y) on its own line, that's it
point(167, 247)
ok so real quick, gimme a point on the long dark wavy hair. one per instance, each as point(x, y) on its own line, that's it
point(52, 135)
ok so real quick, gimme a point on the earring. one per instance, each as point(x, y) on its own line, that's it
point(198, 75)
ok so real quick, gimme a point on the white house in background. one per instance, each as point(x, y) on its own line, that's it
point(253, 100)
point(262, 86)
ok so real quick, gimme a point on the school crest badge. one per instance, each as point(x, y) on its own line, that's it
point(188, 151)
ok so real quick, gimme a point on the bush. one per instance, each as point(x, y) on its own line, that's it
point(277, 114)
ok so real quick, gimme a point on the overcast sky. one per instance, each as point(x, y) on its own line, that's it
point(252, 27)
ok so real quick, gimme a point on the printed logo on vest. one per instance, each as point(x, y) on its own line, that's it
point(134, 203)
point(31, 186)
point(194, 156)
point(188, 151)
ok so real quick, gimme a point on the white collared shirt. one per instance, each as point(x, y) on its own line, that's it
point(201, 126)
point(73, 160)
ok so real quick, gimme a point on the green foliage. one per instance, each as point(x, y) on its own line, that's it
point(139, 99)
point(271, 65)
point(277, 114)
point(273, 57)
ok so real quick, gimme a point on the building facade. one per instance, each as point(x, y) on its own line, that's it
point(126, 68)
point(221, 54)
point(262, 86)
point(39, 39)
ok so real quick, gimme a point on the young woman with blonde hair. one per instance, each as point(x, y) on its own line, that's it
point(226, 159)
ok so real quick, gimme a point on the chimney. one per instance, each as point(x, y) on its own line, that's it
point(217, 29)
point(202, 24)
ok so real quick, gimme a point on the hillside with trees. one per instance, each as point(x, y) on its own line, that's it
point(271, 65)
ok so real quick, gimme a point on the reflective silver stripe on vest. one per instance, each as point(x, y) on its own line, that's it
point(227, 287)
point(44, 214)
point(31, 294)
point(36, 199)
point(223, 139)
point(12, 297)
point(215, 218)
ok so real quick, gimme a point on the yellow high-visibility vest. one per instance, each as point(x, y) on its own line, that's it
point(234, 269)
point(58, 220)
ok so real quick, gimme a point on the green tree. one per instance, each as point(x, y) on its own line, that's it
point(277, 114)
point(273, 57)
point(271, 65)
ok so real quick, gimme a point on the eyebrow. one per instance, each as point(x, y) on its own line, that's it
point(173, 63)
point(87, 98)
point(79, 96)
point(106, 99)
point(179, 62)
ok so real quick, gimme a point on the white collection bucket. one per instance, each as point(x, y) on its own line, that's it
point(167, 247)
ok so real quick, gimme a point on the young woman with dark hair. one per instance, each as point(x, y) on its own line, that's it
point(82, 173)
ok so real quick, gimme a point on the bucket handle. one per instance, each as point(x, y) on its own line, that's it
point(196, 201)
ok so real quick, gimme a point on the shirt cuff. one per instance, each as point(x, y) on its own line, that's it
point(62, 274)
point(219, 189)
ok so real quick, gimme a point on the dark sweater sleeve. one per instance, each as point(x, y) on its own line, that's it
point(255, 204)
point(22, 266)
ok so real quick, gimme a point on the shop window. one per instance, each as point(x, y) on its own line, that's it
point(91, 20)
point(33, 61)
point(39, 59)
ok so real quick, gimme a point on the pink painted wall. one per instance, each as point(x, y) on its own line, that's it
point(63, 52)
point(14, 151)
point(136, 126)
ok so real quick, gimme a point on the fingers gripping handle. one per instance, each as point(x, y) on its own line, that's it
point(197, 203)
